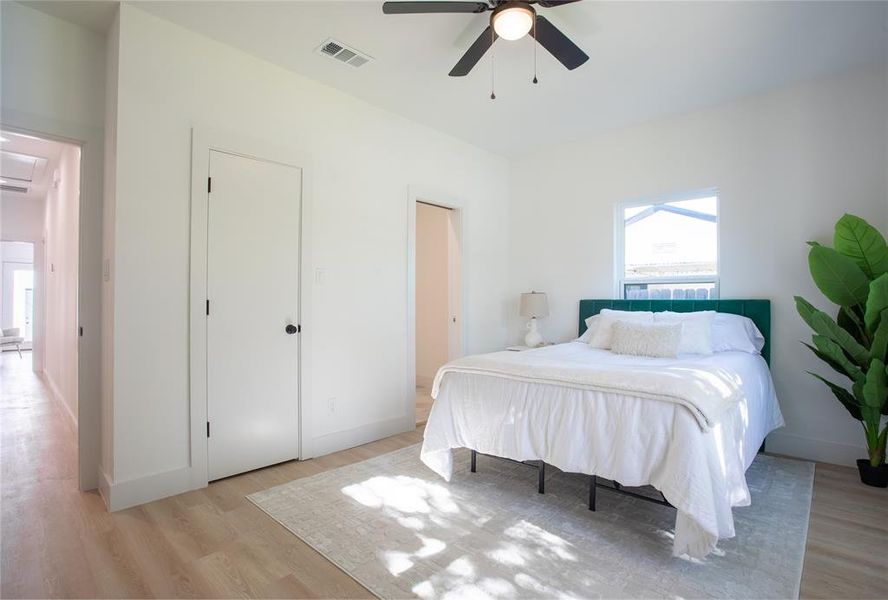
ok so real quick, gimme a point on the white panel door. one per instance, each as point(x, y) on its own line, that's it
point(253, 310)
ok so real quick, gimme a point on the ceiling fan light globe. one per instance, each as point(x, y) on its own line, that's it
point(514, 22)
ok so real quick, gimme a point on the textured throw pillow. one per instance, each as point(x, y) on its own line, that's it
point(696, 330)
point(736, 332)
point(658, 340)
point(602, 336)
point(591, 328)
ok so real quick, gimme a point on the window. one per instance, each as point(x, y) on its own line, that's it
point(668, 248)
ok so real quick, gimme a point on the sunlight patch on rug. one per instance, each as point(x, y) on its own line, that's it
point(400, 530)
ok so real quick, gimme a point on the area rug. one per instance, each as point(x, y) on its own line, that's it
point(401, 531)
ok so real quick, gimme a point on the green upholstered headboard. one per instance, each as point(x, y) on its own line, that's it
point(757, 310)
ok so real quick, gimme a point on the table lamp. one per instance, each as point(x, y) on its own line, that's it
point(533, 305)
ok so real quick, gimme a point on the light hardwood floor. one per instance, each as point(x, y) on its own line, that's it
point(423, 404)
point(58, 542)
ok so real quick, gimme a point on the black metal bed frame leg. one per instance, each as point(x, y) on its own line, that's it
point(593, 483)
point(542, 482)
point(474, 458)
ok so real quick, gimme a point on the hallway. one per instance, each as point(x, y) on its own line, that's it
point(210, 543)
point(43, 514)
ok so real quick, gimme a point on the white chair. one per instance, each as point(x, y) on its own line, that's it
point(11, 337)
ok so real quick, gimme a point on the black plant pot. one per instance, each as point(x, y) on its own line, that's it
point(874, 476)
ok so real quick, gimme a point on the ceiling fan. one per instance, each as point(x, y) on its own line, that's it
point(509, 19)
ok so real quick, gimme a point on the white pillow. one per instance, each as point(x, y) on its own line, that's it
point(736, 332)
point(591, 328)
point(696, 330)
point(659, 340)
point(602, 336)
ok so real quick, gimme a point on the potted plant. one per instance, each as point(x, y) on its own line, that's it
point(854, 275)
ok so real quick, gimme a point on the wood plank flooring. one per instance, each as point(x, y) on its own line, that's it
point(58, 542)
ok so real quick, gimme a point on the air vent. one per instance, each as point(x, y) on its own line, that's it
point(13, 188)
point(343, 53)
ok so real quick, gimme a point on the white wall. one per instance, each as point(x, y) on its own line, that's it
point(362, 160)
point(432, 290)
point(21, 219)
point(53, 75)
point(106, 466)
point(787, 165)
point(60, 280)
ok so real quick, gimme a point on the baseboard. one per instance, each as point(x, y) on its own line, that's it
point(817, 450)
point(105, 488)
point(57, 396)
point(342, 440)
point(424, 381)
point(132, 492)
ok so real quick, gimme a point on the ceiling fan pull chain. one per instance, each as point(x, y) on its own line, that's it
point(535, 44)
point(492, 54)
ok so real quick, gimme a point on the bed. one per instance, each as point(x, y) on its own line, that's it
point(688, 426)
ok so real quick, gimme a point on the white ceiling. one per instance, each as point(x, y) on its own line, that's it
point(648, 59)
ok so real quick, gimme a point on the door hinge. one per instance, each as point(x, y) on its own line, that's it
point(209, 184)
point(208, 429)
point(80, 331)
point(208, 307)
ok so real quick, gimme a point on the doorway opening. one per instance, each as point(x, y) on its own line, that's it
point(40, 255)
point(438, 296)
point(17, 301)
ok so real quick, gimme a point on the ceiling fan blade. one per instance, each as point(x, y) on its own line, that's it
point(558, 44)
point(554, 3)
point(410, 8)
point(474, 53)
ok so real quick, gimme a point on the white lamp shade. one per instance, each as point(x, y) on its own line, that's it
point(534, 304)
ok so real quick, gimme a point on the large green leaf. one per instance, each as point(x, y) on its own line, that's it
point(838, 277)
point(821, 323)
point(876, 302)
point(879, 347)
point(831, 349)
point(844, 396)
point(850, 322)
point(861, 242)
point(825, 358)
point(875, 393)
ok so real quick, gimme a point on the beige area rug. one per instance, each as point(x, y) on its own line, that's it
point(402, 531)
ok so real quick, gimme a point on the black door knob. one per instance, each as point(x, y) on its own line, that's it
point(291, 329)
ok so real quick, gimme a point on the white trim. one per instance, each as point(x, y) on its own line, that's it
point(58, 397)
point(837, 453)
point(132, 492)
point(91, 140)
point(619, 239)
point(105, 487)
point(203, 140)
point(349, 438)
point(417, 193)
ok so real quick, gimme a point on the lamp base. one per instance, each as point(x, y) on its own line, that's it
point(533, 337)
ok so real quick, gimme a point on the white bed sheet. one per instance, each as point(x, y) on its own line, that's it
point(636, 441)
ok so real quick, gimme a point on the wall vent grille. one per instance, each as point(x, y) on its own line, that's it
point(13, 188)
point(343, 53)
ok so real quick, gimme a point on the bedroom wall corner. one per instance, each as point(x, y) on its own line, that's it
point(787, 164)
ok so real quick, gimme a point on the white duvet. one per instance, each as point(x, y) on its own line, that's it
point(589, 411)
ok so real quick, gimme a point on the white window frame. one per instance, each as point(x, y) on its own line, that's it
point(620, 246)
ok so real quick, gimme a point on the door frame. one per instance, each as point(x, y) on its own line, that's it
point(203, 141)
point(416, 193)
point(90, 286)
